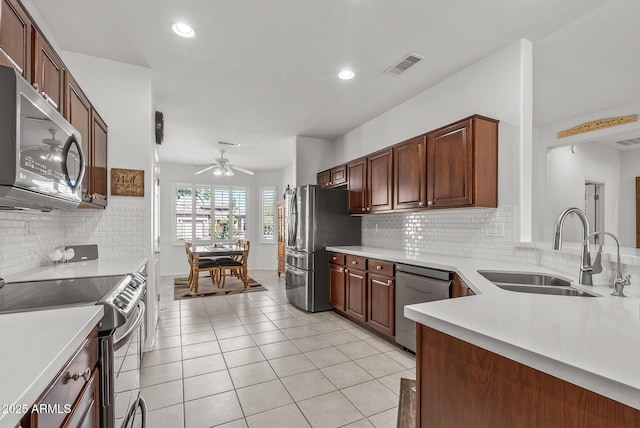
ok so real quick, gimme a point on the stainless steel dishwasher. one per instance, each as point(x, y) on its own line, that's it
point(416, 284)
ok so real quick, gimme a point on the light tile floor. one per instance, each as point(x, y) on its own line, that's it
point(254, 360)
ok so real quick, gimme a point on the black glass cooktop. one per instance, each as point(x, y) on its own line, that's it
point(24, 296)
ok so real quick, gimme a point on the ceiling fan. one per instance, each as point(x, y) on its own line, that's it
point(221, 166)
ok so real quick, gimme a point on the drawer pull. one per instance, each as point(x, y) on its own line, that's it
point(378, 267)
point(340, 270)
point(86, 375)
point(334, 258)
point(389, 282)
point(353, 262)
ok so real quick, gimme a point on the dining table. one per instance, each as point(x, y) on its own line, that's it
point(204, 251)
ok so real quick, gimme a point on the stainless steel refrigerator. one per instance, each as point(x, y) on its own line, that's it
point(316, 218)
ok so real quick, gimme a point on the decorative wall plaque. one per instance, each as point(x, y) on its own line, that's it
point(127, 182)
point(598, 124)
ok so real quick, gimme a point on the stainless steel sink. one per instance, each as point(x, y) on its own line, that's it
point(524, 282)
point(524, 278)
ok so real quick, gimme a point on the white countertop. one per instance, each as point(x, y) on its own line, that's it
point(591, 342)
point(35, 347)
point(99, 267)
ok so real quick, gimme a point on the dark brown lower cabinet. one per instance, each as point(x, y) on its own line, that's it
point(462, 385)
point(337, 287)
point(356, 294)
point(381, 303)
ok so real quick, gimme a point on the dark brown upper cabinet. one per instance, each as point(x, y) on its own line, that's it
point(380, 181)
point(357, 186)
point(93, 130)
point(410, 169)
point(462, 164)
point(15, 38)
point(48, 71)
point(333, 177)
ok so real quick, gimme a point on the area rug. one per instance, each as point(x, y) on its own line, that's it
point(407, 404)
point(205, 288)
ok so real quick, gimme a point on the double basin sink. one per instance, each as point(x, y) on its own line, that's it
point(537, 283)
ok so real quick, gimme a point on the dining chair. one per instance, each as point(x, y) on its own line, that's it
point(198, 265)
point(237, 265)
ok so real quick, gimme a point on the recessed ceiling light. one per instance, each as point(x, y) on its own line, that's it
point(346, 74)
point(183, 30)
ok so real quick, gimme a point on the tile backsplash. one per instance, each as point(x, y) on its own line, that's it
point(484, 233)
point(479, 233)
point(27, 238)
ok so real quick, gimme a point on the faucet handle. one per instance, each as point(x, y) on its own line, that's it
point(619, 283)
point(596, 267)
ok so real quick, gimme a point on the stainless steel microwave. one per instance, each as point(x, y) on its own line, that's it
point(41, 159)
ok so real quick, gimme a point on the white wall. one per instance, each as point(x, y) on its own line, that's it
point(498, 86)
point(312, 156)
point(172, 256)
point(567, 172)
point(629, 170)
point(620, 207)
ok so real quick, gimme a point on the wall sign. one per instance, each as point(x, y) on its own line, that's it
point(127, 182)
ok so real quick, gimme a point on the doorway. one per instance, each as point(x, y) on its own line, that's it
point(593, 207)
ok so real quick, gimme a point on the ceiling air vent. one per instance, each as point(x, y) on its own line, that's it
point(404, 64)
point(629, 142)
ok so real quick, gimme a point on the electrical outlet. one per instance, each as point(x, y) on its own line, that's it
point(495, 230)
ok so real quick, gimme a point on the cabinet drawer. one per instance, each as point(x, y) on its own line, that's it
point(65, 389)
point(356, 262)
point(336, 258)
point(381, 267)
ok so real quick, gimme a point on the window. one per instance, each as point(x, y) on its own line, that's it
point(268, 200)
point(206, 213)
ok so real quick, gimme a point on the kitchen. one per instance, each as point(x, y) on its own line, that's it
point(502, 234)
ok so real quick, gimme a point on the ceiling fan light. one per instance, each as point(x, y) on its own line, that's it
point(217, 170)
point(227, 171)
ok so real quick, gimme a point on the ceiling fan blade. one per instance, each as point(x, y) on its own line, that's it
point(246, 171)
point(205, 170)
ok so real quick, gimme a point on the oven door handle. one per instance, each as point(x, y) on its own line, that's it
point(120, 342)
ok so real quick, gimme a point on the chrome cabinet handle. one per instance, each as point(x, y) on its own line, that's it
point(368, 208)
point(363, 209)
point(86, 375)
point(340, 270)
point(389, 282)
point(430, 203)
point(421, 204)
point(346, 270)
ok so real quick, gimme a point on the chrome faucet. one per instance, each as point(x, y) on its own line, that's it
point(585, 265)
point(618, 281)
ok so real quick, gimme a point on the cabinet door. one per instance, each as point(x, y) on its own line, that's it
point(48, 70)
point(337, 287)
point(338, 175)
point(381, 303)
point(99, 177)
point(357, 186)
point(410, 169)
point(356, 294)
point(450, 166)
point(77, 110)
point(323, 178)
point(15, 38)
point(380, 181)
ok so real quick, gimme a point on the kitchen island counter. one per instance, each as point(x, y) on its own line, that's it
point(35, 347)
point(592, 342)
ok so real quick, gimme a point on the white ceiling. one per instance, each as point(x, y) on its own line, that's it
point(261, 72)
